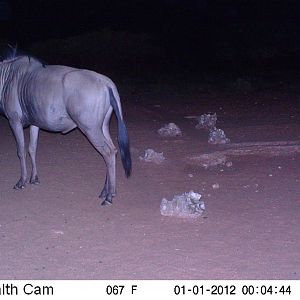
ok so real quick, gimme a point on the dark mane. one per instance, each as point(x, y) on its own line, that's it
point(12, 54)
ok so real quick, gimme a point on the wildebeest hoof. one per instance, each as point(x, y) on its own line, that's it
point(106, 202)
point(34, 180)
point(107, 198)
point(20, 184)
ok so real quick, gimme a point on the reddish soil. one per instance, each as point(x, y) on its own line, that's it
point(250, 230)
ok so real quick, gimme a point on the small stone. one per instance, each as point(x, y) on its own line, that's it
point(170, 130)
point(217, 136)
point(187, 205)
point(215, 186)
point(228, 164)
point(207, 121)
point(151, 156)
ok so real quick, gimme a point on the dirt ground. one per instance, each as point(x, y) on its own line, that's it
point(250, 230)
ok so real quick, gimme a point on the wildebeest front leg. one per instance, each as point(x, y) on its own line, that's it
point(34, 134)
point(17, 129)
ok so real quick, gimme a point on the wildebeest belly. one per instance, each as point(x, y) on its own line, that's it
point(47, 116)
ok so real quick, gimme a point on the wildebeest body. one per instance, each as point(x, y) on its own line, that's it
point(60, 98)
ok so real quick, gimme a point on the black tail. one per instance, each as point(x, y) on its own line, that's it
point(122, 136)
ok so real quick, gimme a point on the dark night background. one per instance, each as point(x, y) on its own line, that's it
point(172, 61)
point(142, 38)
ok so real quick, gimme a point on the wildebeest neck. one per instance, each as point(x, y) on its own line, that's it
point(13, 73)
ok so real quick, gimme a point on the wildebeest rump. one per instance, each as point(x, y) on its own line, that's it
point(60, 98)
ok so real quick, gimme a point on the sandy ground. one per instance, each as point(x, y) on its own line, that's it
point(250, 230)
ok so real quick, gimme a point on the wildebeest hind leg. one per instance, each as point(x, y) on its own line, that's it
point(34, 134)
point(17, 129)
point(99, 141)
point(104, 191)
point(105, 130)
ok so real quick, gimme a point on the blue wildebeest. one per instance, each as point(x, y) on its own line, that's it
point(59, 99)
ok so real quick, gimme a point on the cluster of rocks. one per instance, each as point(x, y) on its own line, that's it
point(216, 135)
point(186, 205)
